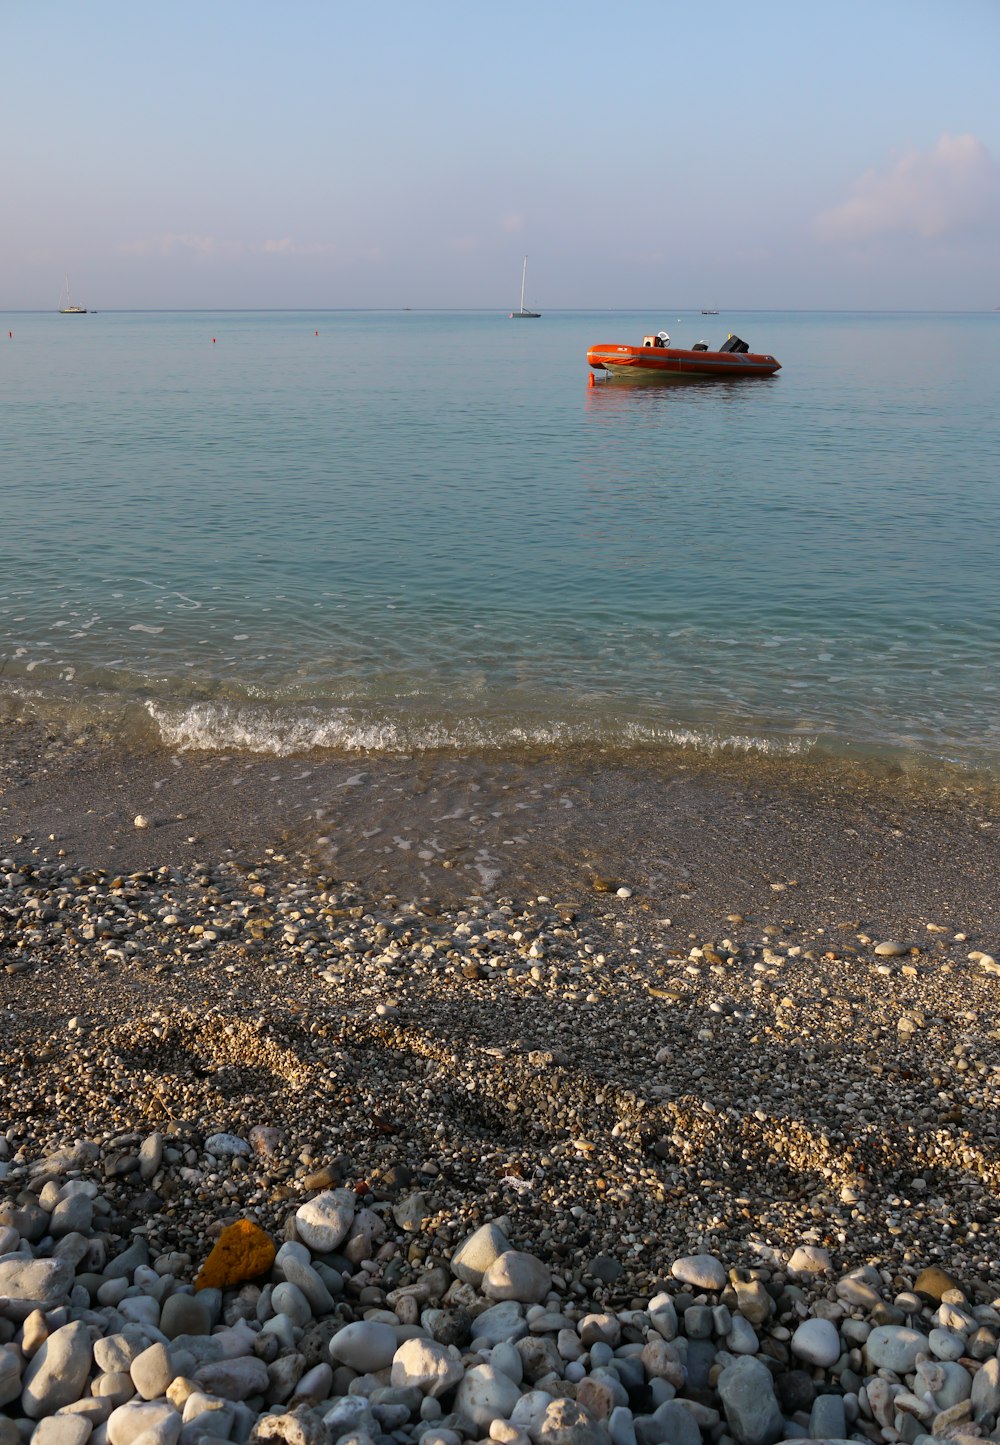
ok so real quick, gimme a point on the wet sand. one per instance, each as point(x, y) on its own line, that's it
point(699, 838)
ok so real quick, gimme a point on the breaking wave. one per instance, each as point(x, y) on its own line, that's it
point(211, 727)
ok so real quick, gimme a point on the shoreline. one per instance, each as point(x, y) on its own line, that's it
point(734, 1165)
point(634, 978)
point(694, 836)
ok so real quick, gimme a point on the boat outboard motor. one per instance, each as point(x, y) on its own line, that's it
point(733, 343)
point(662, 338)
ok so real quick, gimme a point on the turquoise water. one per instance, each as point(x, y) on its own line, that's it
point(418, 529)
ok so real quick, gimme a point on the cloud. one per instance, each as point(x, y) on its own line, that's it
point(172, 244)
point(210, 247)
point(287, 246)
point(929, 194)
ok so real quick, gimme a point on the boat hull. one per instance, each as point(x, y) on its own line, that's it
point(671, 362)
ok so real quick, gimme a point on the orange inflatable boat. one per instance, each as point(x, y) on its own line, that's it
point(656, 357)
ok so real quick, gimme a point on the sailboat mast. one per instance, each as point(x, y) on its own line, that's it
point(524, 272)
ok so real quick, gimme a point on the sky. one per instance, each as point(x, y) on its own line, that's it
point(819, 154)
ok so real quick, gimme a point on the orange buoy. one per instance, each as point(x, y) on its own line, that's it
point(590, 379)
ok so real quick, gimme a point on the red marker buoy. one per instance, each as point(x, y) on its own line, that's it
point(213, 340)
point(590, 379)
point(315, 333)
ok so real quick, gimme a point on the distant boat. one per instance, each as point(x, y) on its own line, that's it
point(66, 307)
point(522, 312)
point(709, 313)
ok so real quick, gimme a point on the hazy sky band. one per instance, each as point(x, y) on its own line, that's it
point(643, 153)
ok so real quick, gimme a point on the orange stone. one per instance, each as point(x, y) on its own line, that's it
point(242, 1251)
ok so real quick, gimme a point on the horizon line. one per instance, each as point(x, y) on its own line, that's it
point(504, 310)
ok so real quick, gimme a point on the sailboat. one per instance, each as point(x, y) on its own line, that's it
point(69, 309)
point(522, 312)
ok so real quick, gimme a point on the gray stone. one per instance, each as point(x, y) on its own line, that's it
point(952, 1384)
point(142, 1309)
point(322, 1223)
point(80, 1155)
point(366, 1346)
point(475, 1254)
point(505, 1358)
point(128, 1422)
point(412, 1213)
point(698, 1322)
point(504, 1321)
point(663, 1315)
point(703, 1271)
point(152, 1371)
point(116, 1386)
point(605, 1268)
point(858, 1292)
point(485, 1395)
point(301, 1426)
point(150, 1156)
point(818, 1342)
point(58, 1371)
point(73, 1215)
point(233, 1379)
point(288, 1299)
point(124, 1265)
point(895, 1347)
point(44, 1280)
point(517, 1276)
point(566, 1422)
point(296, 1265)
point(429, 1367)
point(681, 1426)
point(985, 1393)
point(206, 1415)
point(828, 1418)
point(350, 1413)
point(116, 1352)
point(283, 1374)
point(62, 1430)
point(600, 1328)
point(946, 1344)
point(661, 1361)
point(186, 1314)
point(753, 1301)
point(621, 1427)
point(11, 1365)
point(742, 1337)
point(227, 1146)
point(810, 1259)
point(540, 1356)
point(746, 1390)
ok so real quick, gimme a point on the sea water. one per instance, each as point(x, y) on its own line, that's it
point(284, 531)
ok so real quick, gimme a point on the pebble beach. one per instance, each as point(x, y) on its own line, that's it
point(676, 1123)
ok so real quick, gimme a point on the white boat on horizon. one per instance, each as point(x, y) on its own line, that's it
point(66, 307)
point(515, 315)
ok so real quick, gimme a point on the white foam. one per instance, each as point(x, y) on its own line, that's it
point(214, 727)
